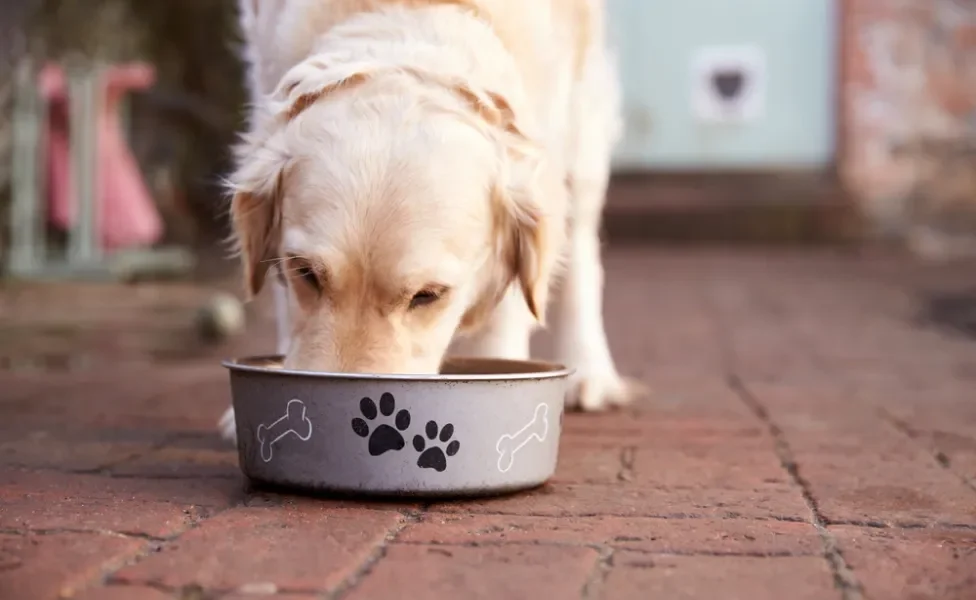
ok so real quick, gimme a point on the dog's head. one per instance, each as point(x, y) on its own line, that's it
point(399, 206)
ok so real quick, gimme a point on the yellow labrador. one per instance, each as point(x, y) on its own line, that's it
point(417, 173)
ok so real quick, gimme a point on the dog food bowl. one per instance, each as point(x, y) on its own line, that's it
point(483, 426)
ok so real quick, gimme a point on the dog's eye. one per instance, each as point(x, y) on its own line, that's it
point(307, 274)
point(424, 298)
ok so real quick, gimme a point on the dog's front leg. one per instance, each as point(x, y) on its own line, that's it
point(226, 425)
point(578, 331)
point(579, 335)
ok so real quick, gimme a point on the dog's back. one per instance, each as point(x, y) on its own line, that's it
point(272, 42)
point(280, 33)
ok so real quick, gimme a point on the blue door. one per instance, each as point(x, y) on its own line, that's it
point(725, 84)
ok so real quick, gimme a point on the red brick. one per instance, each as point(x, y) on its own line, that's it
point(191, 406)
point(871, 500)
point(593, 463)
point(702, 432)
point(956, 449)
point(916, 564)
point(162, 508)
point(861, 468)
point(608, 428)
point(933, 39)
point(886, 488)
point(73, 450)
point(298, 549)
point(279, 596)
point(449, 572)
point(122, 592)
point(680, 406)
point(19, 389)
point(639, 576)
point(735, 468)
point(257, 592)
point(836, 328)
point(106, 325)
point(270, 499)
point(669, 536)
point(52, 566)
point(650, 428)
point(182, 399)
point(556, 500)
point(948, 433)
point(195, 457)
point(678, 458)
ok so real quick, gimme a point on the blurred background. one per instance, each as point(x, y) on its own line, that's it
point(841, 123)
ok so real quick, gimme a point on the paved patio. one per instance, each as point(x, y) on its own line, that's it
point(811, 435)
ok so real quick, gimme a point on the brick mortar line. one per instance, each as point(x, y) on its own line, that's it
point(902, 525)
point(165, 477)
point(109, 382)
point(106, 469)
point(938, 456)
point(195, 590)
point(167, 441)
point(108, 474)
point(590, 515)
point(259, 497)
point(844, 577)
point(107, 566)
point(46, 531)
point(593, 587)
point(602, 547)
point(626, 473)
point(106, 578)
point(378, 553)
point(193, 521)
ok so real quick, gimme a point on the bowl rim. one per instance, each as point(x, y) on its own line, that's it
point(546, 370)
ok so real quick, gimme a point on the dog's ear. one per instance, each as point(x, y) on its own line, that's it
point(256, 216)
point(530, 251)
point(526, 251)
point(313, 79)
point(256, 207)
point(257, 185)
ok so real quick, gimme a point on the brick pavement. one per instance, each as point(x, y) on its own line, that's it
point(808, 437)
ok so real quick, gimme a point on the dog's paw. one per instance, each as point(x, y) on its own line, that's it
point(227, 426)
point(597, 392)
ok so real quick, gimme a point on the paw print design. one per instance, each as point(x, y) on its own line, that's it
point(434, 457)
point(384, 437)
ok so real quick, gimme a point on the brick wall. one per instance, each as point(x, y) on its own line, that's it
point(909, 128)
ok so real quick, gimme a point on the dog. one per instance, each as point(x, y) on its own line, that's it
point(417, 173)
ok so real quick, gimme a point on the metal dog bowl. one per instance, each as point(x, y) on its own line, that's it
point(482, 426)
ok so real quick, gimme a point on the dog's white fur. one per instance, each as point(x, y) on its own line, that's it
point(454, 149)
